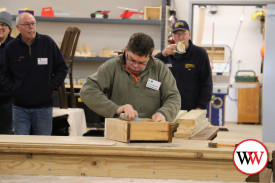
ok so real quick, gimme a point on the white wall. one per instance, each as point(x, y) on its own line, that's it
point(246, 54)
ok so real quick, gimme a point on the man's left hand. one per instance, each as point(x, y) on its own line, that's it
point(158, 117)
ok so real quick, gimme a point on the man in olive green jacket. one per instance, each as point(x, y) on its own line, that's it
point(133, 83)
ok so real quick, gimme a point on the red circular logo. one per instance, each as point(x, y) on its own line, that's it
point(250, 156)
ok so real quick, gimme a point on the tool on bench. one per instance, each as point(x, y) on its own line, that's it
point(215, 145)
point(122, 116)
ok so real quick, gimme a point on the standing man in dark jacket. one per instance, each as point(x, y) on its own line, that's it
point(190, 66)
point(5, 96)
point(34, 66)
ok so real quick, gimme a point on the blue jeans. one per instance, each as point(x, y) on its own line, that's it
point(32, 121)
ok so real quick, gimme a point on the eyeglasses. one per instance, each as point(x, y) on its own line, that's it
point(3, 25)
point(26, 25)
point(136, 62)
point(181, 34)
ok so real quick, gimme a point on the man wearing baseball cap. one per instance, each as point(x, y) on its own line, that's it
point(5, 96)
point(190, 66)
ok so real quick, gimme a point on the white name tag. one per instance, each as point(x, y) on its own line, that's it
point(169, 65)
point(42, 61)
point(153, 84)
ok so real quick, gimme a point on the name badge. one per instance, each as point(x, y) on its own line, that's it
point(169, 65)
point(42, 61)
point(153, 84)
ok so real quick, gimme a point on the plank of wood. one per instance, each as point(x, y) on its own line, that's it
point(81, 179)
point(204, 124)
point(175, 124)
point(188, 133)
point(151, 131)
point(195, 114)
point(191, 123)
point(193, 118)
point(116, 129)
point(120, 166)
point(184, 134)
point(180, 115)
point(239, 132)
point(207, 134)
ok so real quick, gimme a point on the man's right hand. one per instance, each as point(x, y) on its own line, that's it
point(128, 110)
point(169, 50)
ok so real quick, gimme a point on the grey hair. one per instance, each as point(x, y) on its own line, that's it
point(19, 17)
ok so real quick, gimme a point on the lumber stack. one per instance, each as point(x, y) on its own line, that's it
point(190, 123)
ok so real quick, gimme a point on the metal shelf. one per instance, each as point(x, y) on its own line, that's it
point(99, 21)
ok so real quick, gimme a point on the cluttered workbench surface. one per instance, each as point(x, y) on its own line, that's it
point(101, 157)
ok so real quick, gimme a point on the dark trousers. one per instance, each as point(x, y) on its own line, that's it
point(6, 117)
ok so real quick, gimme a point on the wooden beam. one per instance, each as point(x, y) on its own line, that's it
point(118, 166)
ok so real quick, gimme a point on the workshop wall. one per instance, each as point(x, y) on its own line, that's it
point(248, 42)
point(246, 53)
point(98, 36)
point(235, 28)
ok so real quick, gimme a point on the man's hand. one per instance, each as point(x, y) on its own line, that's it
point(169, 50)
point(158, 117)
point(128, 110)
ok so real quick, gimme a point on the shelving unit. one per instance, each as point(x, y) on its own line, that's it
point(94, 20)
point(154, 22)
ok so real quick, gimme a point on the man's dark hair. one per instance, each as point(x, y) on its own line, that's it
point(141, 44)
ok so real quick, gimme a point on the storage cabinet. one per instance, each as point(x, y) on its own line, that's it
point(248, 103)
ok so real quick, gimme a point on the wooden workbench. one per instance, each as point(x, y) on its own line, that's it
point(100, 157)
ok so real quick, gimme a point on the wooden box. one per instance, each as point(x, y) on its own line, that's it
point(144, 130)
point(153, 12)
